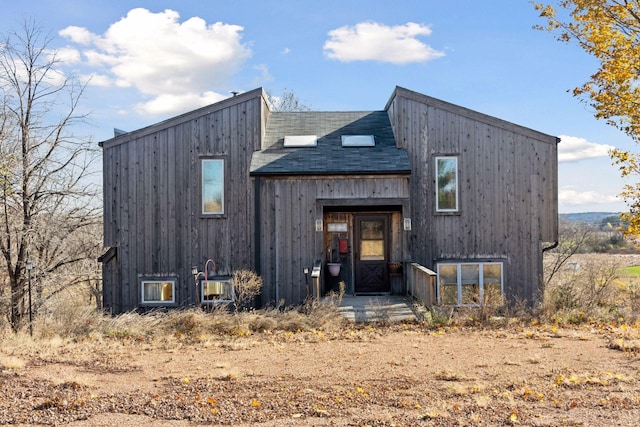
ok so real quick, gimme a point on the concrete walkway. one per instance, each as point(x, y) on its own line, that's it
point(378, 308)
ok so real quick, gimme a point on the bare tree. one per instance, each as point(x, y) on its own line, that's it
point(288, 101)
point(48, 205)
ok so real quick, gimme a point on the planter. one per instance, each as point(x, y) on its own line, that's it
point(334, 268)
point(395, 267)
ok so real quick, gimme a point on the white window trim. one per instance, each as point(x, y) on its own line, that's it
point(480, 279)
point(216, 301)
point(457, 207)
point(158, 302)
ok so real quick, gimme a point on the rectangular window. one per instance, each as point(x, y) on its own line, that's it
point(446, 184)
point(212, 186)
point(158, 291)
point(216, 290)
point(470, 283)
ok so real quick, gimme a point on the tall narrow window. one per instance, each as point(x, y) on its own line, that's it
point(446, 184)
point(212, 186)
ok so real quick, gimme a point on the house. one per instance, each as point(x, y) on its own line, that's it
point(420, 184)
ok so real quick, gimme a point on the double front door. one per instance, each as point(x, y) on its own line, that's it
point(371, 253)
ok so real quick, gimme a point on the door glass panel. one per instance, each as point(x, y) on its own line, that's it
point(372, 240)
point(371, 230)
point(372, 250)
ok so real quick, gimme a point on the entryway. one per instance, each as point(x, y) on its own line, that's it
point(371, 254)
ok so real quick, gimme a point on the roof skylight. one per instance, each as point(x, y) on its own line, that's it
point(300, 140)
point(358, 141)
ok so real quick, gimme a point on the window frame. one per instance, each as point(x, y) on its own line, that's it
point(456, 187)
point(224, 279)
point(160, 302)
point(482, 281)
point(222, 211)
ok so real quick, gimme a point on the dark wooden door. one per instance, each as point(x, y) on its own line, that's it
point(371, 253)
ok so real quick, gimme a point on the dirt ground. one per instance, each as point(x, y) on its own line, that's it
point(399, 375)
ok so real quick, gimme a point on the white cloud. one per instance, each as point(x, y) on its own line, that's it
point(286, 51)
point(170, 103)
point(164, 59)
point(264, 75)
point(371, 41)
point(68, 55)
point(572, 148)
point(571, 197)
point(78, 35)
point(96, 79)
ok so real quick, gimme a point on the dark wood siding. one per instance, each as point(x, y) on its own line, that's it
point(507, 188)
point(290, 207)
point(152, 198)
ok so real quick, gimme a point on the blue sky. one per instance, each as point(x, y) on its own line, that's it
point(150, 60)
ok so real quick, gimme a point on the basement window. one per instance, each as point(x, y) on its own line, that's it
point(358, 141)
point(300, 141)
point(470, 283)
point(217, 290)
point(158, 292)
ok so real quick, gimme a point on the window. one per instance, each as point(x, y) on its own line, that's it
point(216, 290)
point(470, 283)
point(300, 140)
point(158, 291)
point(358, 141)
point(212, 186)
point(446, 184)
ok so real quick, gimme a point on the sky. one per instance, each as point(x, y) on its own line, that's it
point(146, 61)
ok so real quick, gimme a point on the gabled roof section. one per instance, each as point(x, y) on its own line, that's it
point(470, 114)
point(329, 157)
point(124, 136)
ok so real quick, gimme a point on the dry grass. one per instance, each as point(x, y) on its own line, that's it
point(82, 322)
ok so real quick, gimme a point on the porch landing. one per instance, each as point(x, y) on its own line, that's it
point(377, 308)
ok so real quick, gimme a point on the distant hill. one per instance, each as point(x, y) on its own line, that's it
point(587, 217)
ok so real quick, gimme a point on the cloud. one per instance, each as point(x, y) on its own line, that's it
point(571, 197)
point(264, 75)
point(164, 59)
point(371, 41)
point(572, 148)
point(170, 103)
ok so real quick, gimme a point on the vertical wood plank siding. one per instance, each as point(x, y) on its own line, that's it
point(152, 205)
point(507, 188)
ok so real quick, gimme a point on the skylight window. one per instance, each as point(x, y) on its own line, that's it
point(300, 141)
point(358, 141)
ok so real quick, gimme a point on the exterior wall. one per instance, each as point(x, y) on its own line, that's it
point(290, 207)
point(507, 189)
point(152, 206)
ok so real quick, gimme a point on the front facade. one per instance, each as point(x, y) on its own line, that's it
point(236, 186)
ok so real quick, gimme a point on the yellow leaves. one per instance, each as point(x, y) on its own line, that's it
point(255, 403)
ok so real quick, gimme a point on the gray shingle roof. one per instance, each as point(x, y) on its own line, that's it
point(329, 157)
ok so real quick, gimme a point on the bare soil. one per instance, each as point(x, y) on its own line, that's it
point(398, 375)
